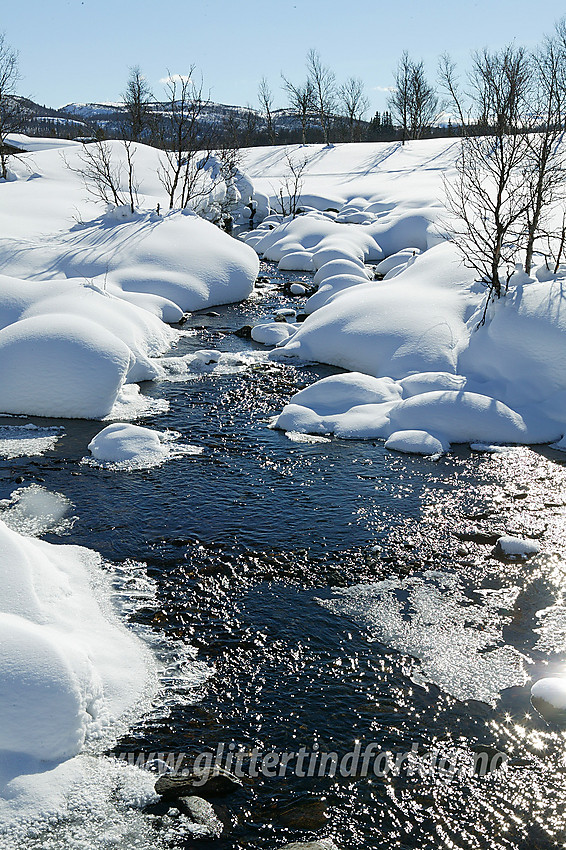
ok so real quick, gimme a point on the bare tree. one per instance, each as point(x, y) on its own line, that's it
point(413, 102)
point(488, 195)
point(10, 112)
point(545, 170)
point(289, 192)
point(138, 99)
point(187, 147)
point(398, 100)
point(354, 103)
point(423, 103)
point(103, 178)
point(302, 102)
point(323, 82)
point(265, 96)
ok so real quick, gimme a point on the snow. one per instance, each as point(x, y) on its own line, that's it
point(272, 333)
point(425, 382)
point(66, 367)
point(465, 417)
point(398, 260)
point(422, 324)
point(69, 673)
point(337, 267)
point(416, 442)
point(297, 289)
point(552, 690)
point(339, 393)
point(516, 546)
point(392, 327)
point(296, 261)
point(87, 290)
point(125, 446)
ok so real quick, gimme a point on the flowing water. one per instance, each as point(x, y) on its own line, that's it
point(336, 597)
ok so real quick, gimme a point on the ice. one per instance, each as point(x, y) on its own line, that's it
point(34, 510)
point(458, 643)
point(298, 437)
point(27, 440)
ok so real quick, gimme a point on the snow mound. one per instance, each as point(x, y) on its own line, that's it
point(296, 261)
point(552, 690)
point(297, 289)
point(520, 350)
point(49, 691)
point(69, 673)
point(340, 266)
point(463, 417)
point(331, 287)
point(416, 442)
point(397, 260)
point(352, 406)
point(414, 323)
point(125, 446)
point(272, 333)
point(517, 547)
point(338, 393)
point(61, 366)
point(426, 382)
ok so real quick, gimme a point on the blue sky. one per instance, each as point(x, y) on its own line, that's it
point(80, 50)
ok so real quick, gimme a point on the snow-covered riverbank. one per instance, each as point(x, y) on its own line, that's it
point(456, 380)
point(85, 294)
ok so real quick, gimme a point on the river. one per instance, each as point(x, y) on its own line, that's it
point(249, 549)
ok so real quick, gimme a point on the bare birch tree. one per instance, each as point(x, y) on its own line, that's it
point(302, 102)
point(354, 104)
point(138, 99)
point(265, 96)
point(323, 82)
point(488, 196)
point(187, 146)
point(289, 192)
point(545, 166)
point(10, 112)
point(413, 102)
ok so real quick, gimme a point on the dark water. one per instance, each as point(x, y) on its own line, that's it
point(245, 540)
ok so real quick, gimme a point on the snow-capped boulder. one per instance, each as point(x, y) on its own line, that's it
point(61, 366)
